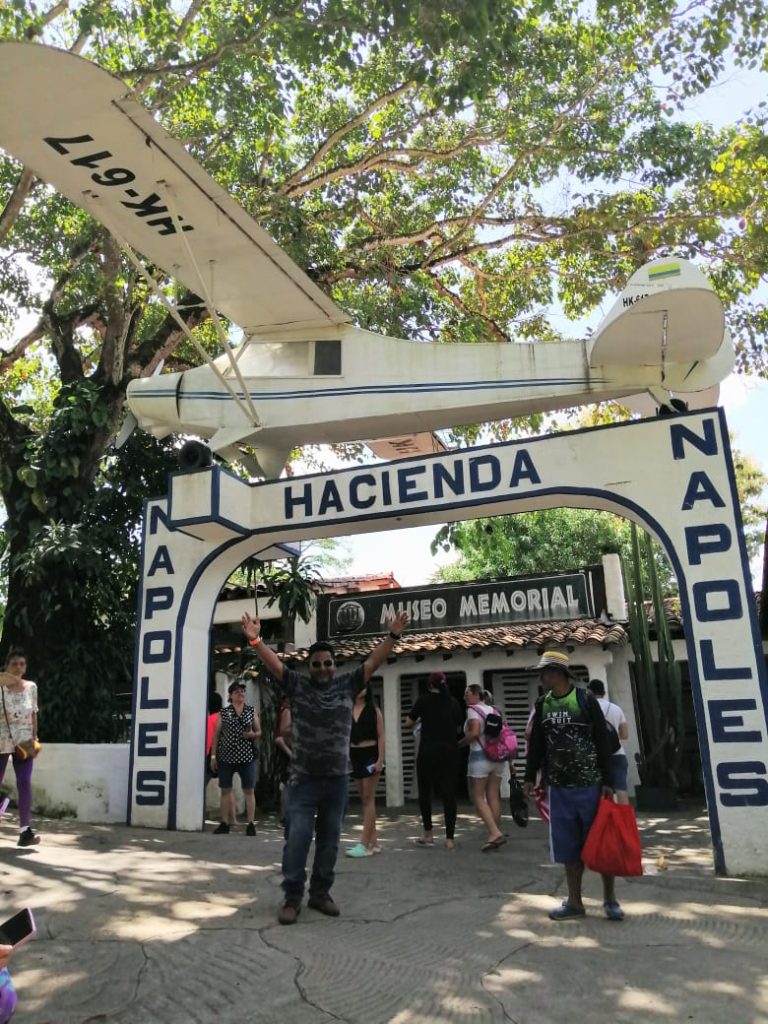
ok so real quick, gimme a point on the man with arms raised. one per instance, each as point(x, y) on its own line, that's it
point(321, 706)
point(569, 741)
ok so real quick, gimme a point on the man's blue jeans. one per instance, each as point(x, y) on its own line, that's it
point(316, 804)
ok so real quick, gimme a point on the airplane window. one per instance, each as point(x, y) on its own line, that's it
point(276, 359)
point(327, 357)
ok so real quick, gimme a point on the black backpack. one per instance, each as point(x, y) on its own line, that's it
point(493, 724)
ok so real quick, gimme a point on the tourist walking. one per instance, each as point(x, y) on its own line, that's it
point(439, 718)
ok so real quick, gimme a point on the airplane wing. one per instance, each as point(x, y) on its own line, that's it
point(668, 313)
point(74, 125)
point(404, 445)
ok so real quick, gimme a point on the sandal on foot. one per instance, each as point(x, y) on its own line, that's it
point(613, 911)
point(359, 851)
point(421, 841)
point(493, 844)
point(565, 911)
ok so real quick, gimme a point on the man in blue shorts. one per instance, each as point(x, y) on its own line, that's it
point(569, 742)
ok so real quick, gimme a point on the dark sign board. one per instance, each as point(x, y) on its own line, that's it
point(457, 606)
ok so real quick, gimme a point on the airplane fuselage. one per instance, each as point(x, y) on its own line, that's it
point(347, 384)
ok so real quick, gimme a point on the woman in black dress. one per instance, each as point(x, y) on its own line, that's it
point(441, 719)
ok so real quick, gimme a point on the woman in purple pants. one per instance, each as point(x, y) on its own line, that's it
point(18, 722)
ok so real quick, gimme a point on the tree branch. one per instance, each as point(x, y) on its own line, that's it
point(390, 160)
point(7, 359)
point(493, 328)
point(13, 207)
point(339, 134)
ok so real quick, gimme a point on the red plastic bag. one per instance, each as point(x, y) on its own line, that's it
point(613, 843)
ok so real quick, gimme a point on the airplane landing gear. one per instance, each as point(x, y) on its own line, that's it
point(674, 407)
point(194, 455)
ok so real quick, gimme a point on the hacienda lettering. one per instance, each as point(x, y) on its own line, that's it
point(381, 488)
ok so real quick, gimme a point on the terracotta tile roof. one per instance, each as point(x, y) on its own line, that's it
point(530, 634)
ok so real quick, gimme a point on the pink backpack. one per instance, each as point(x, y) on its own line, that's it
point(498, 741)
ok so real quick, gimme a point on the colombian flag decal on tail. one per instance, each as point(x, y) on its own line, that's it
point(664, 270)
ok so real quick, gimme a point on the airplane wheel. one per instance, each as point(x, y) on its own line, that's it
point(675, 407)
point(194, 455)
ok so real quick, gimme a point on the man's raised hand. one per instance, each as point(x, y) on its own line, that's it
point(251, 627)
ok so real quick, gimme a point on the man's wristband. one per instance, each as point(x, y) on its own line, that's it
point(395, 636)
point(255, 642)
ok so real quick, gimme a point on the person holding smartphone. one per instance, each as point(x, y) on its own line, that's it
point(18, 723)
point(366, 752)
point(7, 991)
point(13, 933)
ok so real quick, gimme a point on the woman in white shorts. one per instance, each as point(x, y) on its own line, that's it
point(483, 776)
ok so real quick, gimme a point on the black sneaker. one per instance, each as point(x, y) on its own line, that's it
point(251, 829)
point(289, 912)
point(28, 838)
point(222, 829)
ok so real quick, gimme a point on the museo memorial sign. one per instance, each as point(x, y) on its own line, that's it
point(457, 606)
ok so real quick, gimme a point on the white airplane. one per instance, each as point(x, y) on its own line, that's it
point(303, 374)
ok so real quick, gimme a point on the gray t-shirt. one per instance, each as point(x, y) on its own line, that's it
point(321, 717)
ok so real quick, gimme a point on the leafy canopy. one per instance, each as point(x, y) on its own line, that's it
point(445, 171)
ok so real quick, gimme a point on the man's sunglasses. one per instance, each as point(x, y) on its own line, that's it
point(321, 664)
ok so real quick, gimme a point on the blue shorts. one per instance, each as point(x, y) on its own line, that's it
point(619, 768)
point(571, 813)
point(246, 771)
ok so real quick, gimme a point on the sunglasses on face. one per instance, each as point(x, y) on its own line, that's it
point(321, 664)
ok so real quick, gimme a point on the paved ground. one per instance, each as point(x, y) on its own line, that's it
point(139, 926)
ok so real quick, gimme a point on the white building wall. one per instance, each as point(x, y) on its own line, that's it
point(88, 781)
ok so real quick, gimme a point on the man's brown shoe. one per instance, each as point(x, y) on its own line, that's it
point(289, 912)
point(324, 904)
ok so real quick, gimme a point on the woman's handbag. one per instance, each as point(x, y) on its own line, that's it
point(27, 749)
point(613, 843)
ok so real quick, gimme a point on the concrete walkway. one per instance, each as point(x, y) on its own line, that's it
point(145, 927)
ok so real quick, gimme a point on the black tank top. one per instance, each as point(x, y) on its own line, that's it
point(365, 727)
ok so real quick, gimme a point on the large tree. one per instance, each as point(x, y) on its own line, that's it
point(444, 170)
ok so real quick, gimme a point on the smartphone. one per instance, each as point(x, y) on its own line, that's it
point(18, 929)
point(371, 768)
point(4, 805)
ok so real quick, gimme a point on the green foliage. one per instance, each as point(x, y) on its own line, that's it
point(535, 542)
point(659, 685)
point(72, 584)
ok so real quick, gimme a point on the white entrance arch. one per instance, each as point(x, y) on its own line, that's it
point(673, 476)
